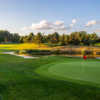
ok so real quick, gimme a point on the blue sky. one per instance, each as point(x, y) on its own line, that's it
point(24, 16)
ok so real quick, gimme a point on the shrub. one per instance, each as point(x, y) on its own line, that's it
point(39, 52)
point(97, 53)
point(88, 52)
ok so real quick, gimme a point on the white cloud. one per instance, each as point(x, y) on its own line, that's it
point(42, 25)
point(91, 23)
point(74, 21)
point(59, 23)
point(97, 30)
point(24, 28)
point(45, 25)
point(71, 25)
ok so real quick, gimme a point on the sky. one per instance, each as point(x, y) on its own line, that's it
point(63, 16)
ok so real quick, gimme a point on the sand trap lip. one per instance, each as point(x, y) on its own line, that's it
point(24, 56)
point(97, 57)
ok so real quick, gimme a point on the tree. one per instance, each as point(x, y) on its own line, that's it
point(84, 38)
point(93, 38)
point(55, 38)
point(74, 38)
point(49, 38)
point(21, 40)
point(39, 38)
point(4, 36)
point(25, 39)
point(62, 39)
point(15, 38)
point(30, 37)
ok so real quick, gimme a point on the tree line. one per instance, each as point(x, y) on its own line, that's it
point(7, 37)
point(75, 38)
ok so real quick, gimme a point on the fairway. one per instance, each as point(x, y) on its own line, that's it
point(47, 78)
point(78, 70)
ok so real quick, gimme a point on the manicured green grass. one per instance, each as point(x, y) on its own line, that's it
point(21, 79)
point(76, 70)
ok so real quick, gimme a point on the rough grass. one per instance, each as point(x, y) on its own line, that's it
point(19, 81)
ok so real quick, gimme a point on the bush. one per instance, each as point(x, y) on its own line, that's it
point(88, 52)
point(97, 53)
point(49, 52)
point(68, 52)
point(38, 52)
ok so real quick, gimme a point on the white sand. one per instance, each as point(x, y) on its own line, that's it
point(97, 57)
point(24, 56)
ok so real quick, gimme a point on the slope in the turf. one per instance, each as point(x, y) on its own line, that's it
point(83, 70)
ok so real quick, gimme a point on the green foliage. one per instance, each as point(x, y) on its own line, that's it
point(6, 37)
point(30, 37)
point(52, 52)
point(22, 52)
point(39, 38)
point(35, 52)
point(87, 52)
point(64, 39)
point(75, 38)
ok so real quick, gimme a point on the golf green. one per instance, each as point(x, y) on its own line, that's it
point(86, 71)
point(77, 70)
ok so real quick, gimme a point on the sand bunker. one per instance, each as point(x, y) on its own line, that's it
point(24, 56)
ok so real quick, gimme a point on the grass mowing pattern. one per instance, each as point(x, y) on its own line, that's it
point(78, 70)
point(19, 81)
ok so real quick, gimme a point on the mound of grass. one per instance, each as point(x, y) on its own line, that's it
point(19, 81)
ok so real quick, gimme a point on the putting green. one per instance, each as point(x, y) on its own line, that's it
point(83, 70)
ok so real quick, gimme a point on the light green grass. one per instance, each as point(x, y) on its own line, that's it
point(74, 70)
point(78, 70)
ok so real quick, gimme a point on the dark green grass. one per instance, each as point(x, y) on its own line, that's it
point(19, 81)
